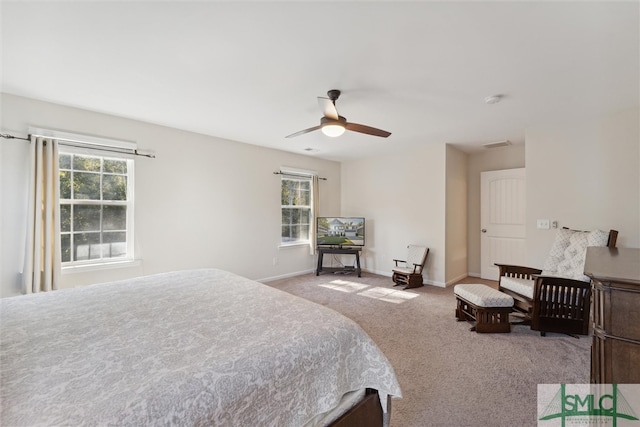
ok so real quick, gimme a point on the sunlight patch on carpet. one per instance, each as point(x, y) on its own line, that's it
point(389, 295)
point(344, 286)
point(395, 296)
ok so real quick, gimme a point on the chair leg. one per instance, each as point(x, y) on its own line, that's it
point(414, 281)
point(396, 282)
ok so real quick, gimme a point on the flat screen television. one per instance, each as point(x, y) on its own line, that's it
point(340, 231)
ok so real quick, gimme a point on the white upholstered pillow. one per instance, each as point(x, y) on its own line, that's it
point(569, 250)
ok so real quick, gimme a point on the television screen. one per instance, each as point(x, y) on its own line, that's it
point(340, 231)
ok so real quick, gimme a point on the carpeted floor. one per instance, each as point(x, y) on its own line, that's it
point(449, 375)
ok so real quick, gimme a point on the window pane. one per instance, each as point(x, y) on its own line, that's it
point(86, 218)
point(65, 184)
point(304, 216)
point(115, 166)
point(288, 191)
point(286, 233)
point(295, 192)
point(86, 246)
point(114, 218)
point(114, 187)
point(287, 215)
point(304, 232)
point(304, 198)
point(65, 245)
point(114, 244)
point(85, 163)
point(65, 218)
point(86, 186)
point(295, 216)
point(64, 161)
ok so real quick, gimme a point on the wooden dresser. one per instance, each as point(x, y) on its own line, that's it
point(615, 279)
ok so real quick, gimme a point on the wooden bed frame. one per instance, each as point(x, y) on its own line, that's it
point(367, 413)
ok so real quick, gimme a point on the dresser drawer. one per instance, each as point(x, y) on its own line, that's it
point(616, 308)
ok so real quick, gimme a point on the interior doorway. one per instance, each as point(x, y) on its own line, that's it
point(502, 220)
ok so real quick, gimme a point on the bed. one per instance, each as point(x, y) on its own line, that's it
point(196, 347)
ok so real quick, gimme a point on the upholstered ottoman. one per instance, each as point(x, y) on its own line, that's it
point(489, 307)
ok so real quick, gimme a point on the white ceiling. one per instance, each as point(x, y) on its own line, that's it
point(251, 72)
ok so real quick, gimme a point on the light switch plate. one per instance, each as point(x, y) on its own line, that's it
point(543, 224)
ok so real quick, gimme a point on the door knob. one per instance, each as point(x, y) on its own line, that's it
point(484, 230)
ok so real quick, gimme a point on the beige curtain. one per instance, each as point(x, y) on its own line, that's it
point(313, 242)
point(42, 258)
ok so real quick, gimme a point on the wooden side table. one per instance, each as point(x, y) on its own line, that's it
point(340, 251)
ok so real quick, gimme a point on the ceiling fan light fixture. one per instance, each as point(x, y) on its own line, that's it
point(333, 125)
point(333, 129)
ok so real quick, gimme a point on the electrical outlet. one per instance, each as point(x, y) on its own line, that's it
point(543, 224)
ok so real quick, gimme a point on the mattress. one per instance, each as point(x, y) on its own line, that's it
point(196, 347)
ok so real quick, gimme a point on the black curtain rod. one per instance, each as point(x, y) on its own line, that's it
point(7, 136)
point(296, 174)
point(70, 143)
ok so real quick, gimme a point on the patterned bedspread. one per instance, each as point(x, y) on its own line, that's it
point(198, 347)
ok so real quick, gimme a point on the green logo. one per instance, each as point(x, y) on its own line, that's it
point(590, 406)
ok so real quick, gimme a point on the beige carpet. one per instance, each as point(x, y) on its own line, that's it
point(449, 375)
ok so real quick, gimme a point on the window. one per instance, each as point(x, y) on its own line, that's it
point(297, 209)
point(96, 208)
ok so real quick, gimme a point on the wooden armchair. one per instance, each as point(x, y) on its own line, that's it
point(410, 275)
point(556, 298)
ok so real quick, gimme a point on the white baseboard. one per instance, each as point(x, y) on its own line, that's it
point(380, 273)
point(389, 274)
point(474, 274)
point(285, 276)
point(452, 281)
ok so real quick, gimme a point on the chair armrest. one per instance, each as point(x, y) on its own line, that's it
point(547, 286)
point(517, 271)
point(399, 260)
point(561, 305)
point(542, 281)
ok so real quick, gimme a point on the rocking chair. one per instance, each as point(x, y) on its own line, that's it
point(410, 275)
point(556, 298)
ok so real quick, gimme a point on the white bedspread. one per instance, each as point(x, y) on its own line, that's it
point(199, 347)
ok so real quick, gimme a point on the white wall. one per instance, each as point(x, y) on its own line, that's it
point(456, 215)
point(203, 202)
point(585, 175)
point(510, 157)
point(402, 198)
point(216, 202)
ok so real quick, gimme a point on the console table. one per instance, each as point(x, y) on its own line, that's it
point(615, 280)
point(339, 251)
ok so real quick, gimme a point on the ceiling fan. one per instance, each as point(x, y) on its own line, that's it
point(332, 124)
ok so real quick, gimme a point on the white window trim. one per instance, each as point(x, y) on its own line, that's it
point(90, 146)
point(107, 265)
point(87, 140)
point(309, 173)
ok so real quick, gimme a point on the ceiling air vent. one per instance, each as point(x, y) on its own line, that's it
point(497, 144)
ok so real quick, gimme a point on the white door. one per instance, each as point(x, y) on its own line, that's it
point(502, 220)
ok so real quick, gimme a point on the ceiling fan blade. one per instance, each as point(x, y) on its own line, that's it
point(302, 132)
point(328, 108)
point(367, 129)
